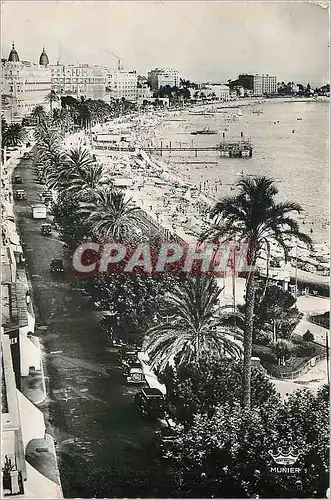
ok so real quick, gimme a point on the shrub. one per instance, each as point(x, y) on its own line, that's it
point(308, 336)
point(262, 338)
point(265, 354)
point(283, 349)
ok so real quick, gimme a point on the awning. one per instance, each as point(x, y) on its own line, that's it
point(11, 232)
point(17, 248)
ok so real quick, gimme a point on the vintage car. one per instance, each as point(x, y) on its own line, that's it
point(18, 179)
point(150, 402)
point(128, 355)
point(56, 266)
point(165, 438)
point(46, 196)
point(20, 194)
point(46, 229)
point(134, 373)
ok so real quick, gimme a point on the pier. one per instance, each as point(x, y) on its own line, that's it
point(227, 149)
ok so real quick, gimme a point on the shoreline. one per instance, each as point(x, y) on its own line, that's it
point(144, 129)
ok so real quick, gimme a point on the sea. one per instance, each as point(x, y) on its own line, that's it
point(290, 144)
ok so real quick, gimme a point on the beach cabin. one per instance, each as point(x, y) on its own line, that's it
point(112, 139)
point(122, 182)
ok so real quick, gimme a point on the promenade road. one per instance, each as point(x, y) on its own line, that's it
point(105, 447)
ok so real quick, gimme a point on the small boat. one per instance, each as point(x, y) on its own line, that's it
point(299, 118)
point(240, 113)
point(257, 111)
point(205, 131)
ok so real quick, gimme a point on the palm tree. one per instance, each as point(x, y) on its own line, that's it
point(84, 110)
point(49, 150)
point(84, 181)
point(253, 218)
point(48, 134)
point(53, 162)
point(196, 326)
point(13, 135)
point(70, 167)
point(109, 214)
point(52, 97)
point(62, 118)
point(39, 113)
point(79, 157)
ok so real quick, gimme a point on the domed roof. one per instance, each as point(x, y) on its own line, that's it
point(13, 56)
point(43, 59)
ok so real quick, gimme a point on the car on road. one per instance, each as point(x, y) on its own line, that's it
point(165, 438)
point(18, 179)
point(39, 211)
point(150, 402)
point(56, 266)
point(128, 355)
point(27, 156)
point(134, 374)
point(20, 194)
point(46, 229)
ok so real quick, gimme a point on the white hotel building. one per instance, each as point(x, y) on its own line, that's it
point(160, 77)
point(121, 83)
point(79, 80)
point(264, 84)
point(24, 85)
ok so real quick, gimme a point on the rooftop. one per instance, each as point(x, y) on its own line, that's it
point(13, 55)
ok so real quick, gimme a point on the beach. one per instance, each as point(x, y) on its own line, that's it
point(289, 140)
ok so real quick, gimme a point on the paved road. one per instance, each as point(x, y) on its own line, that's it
point(106, 449)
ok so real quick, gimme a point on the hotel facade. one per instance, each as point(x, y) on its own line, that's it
point(161, 77)
point(79, 80)
point(122, 84)
point(24, 85)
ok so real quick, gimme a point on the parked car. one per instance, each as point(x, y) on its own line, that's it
point(20, 194)
point(134, 373)
point(56, 266)
point(39, 211)
point(128, 355)
point(165, 438)
point(27, 155)
point(46, 229)
point(18, 179)
point(150, 402)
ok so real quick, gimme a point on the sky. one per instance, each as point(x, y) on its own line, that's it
point(205, 41)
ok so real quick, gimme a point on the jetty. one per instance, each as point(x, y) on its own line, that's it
point(227, 149)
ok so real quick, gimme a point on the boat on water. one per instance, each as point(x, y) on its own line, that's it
point(299, 118)
point(204, 131)
point(257, 111)
point(240, 113)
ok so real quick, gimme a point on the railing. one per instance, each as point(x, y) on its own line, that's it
point(324, 322)
point(305, 368)
point(296, 373)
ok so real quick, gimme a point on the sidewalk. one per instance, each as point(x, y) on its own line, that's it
point(317, 375)
point(308, 304)
point(150, 376)
point(32, 375)
point(41, 455)
point(319, 332)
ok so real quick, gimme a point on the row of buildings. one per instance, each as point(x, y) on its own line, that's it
point(28, 458)
point(26, 84)
point(254, 85)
